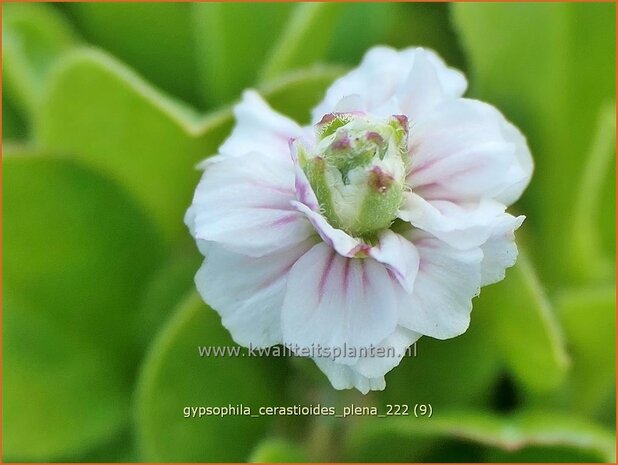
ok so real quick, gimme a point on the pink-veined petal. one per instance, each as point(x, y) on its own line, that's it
point(399, 255)
point(461, 226)
point(333, 300)
point(244, 204)
point(465, 150)
point(248, 292)
point(446, 282)
point(338, 239)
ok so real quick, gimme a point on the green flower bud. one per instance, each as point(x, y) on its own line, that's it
point(357, 170)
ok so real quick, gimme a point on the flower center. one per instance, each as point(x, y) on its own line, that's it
point(357, 170)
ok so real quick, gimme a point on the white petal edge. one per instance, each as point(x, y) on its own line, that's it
point(397, 345)
point(248, 292)
point(461, 226)
point(259, 128)
point(381, 78)
point(399, 255)
point(447, 281)
point(500, 251)
point(345, 377)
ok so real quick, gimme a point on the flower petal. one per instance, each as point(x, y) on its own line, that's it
point(259, 129)
point(304, 191)
point(333, 300)
point(245, 205)
point(447, 281)
point(500, 250)
point(394, 347)
point(248, 292)
point(338, 239)
point(465, 150)
point(461, 226)
point(386, 75)
point(346, 377)
point(399, 255)
point(428, 84)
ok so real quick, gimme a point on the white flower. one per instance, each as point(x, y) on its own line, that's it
point(374, 226)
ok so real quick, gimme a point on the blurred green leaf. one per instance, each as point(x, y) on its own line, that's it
point(100, 112)
point(549, 66)
point(588, 316)
point(359, 27)
point(233, 40)
point(169, 284)
point(446, 374)
point(103, 114)
point(277, 450)
point(464, 361)
point(33, 37)
point(304, 40)
point(13, 124)
point(155, 39)
point(174, 376)
point(513, 433)
point(524, 328)
point(427, 25)
point(295, 93)
point(590, 260)
point(76, 253)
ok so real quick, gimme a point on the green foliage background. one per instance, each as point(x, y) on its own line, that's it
point(106, 110)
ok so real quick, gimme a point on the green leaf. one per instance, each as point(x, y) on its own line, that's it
point(588, 316)
point(453, 373)
point(101, 113)
point(233, 40)
point(34, 36)
point(523, 325)
point(169, 284)
point(277, 450)
point(464, 361)
point(359, 27)
point(155, 39)
point(518, 432)
point(304, 40)
point(549, 67)
point(77, 252)
point(13, 124)
point(590, 260)
point(174, 377)
point(295, 93)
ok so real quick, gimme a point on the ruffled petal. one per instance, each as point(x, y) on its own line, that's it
point(465, 150)
point(346, 377)
point(338, 239)
point(248, 292)
point(245, 205)
point(500, 250)
point(368, 373)
point(447, 280)
point(399, 255)
point(259, 129)
point(333, 300)
point(461, 226)
point(394, 347)
point(387, 82)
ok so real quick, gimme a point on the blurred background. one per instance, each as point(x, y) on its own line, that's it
point(106, 109)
